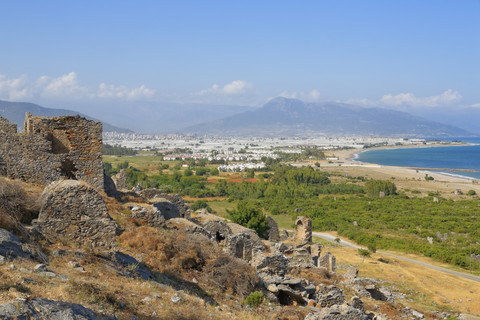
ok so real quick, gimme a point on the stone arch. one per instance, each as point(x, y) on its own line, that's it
point(304, 229)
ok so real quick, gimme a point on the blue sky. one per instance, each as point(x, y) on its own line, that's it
point(378, 53)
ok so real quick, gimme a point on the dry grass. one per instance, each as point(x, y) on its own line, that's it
point(180, 254)
point(426, 289)
point(17, 206)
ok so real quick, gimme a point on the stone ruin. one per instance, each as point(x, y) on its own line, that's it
point(74, 212)
point(304, 229)
point(52, 148)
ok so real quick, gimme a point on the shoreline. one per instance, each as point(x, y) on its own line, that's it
point(407, 178)
point(354, 158)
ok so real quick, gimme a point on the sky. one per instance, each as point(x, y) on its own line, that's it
point(415, 53)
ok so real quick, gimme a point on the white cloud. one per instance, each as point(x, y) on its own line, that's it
point(63, 86)
point(311, 96)
point(314, 95)
point(236, 87)
point(447, 97)
point(289, 95)
point(475, 105)
point(66, 86)
point(122, 92)
point(13, 89)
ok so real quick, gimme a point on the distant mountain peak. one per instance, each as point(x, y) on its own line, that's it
point(293, 117)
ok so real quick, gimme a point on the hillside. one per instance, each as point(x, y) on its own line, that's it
point(291, 117)
point(15, 112)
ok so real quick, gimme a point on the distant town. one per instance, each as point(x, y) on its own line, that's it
point(248, 150)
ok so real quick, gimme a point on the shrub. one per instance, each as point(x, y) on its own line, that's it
point(182, 253)
point(471, 192)
point(249, 216)
point(199, 204)
point(254, 299)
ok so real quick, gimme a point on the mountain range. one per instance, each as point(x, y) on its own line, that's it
point(292, 117)
point(278, 117)
point(15, 112)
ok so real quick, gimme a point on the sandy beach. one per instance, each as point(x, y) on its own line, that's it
point(406, 179)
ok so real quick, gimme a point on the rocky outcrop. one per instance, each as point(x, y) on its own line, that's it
point(11, 247)
point(109, 187)
point(120, 180)
point(171, 205)
point(273, 233)
point(219, 229)
point(41, 309)
point(148, 215)
point(338, 312)
point(73, 211)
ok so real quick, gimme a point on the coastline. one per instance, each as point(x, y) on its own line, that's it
point(406, 178)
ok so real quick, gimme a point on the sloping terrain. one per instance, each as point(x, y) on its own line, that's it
point(291, 117)
point(15, 112)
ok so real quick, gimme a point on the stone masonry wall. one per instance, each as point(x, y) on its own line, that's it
point(74, 212)
point(52, 148)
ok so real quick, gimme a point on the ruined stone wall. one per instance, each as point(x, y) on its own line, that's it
point(74, 212)
point(52, 148)
point(7, 127)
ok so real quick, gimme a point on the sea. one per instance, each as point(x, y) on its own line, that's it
point(466, 157)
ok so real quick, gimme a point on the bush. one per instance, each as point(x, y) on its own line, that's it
point(199, 204)
point(471, 192)
point(254, 299)
point(183, 253)
point(249, 216)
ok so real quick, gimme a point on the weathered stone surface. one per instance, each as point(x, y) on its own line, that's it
point(338, 312)
point(11, 246)
point(74, 211)
point(329, 295)
point(304, 229)
point(219, 229)
point(127, 266)
point(327, 261)
point(240, 245)
point(41, 309)
point(120, 180)
point(109, 187)
point(273, 233)
point(148, 215)
point(188, 226)
point(356, 303)
point(172, 204)
point(239, 229)
point(276, 264)
point(351, 273)
point(52, 148)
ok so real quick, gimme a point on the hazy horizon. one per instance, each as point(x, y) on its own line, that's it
point(95, 57)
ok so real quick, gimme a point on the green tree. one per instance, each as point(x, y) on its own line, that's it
point(249, 216)
point(364, 253)
point(188, 172)
point(123, 165)
point(374, 187)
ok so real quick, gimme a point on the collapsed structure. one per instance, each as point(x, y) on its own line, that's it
point(52, 148)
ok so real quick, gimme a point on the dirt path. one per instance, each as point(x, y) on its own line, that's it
point(329, 237)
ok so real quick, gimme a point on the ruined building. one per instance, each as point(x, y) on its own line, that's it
point(52, 148)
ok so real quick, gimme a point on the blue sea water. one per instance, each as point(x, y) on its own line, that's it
point(455, 157)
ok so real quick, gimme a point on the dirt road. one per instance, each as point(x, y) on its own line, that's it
point(344, 243)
